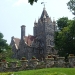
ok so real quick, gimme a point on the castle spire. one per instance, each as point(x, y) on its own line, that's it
point(43, 4)
point(44, 7)
point(44, 13)
point(35, 21)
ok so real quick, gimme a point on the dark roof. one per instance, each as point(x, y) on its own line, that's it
point(44, 13)
point(45, 16)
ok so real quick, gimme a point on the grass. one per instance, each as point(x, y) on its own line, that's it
point(47, 71)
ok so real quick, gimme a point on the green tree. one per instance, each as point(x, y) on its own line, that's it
point(32, 1)
point(62, 22)
point(5, 49)
point(71, 6)
point(3, 44)
point(65, 38)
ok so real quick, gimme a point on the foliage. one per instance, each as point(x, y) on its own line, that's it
point(32, 1)
point(5, 49)
point(6, 55)
point(48, 71)
point(62, 22)
point(3, 44)
point(65, 37)
point(71, 6)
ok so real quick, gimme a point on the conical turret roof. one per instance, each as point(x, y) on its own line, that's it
point(44, 14)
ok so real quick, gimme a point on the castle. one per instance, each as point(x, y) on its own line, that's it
point(40, 44)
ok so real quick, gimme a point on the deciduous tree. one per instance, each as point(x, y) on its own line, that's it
point(65, 38)
point(62, 22)
point(71, 6)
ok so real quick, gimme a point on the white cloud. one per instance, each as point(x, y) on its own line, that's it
point(19, 2)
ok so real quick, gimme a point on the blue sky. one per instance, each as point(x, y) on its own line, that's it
point(14, 13)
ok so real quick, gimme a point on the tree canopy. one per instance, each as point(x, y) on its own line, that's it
point(32, 1)
point(62, 22)
point(65, 38)
point(3, 43)
point(71, 6)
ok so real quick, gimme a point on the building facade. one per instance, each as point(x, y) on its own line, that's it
point(40, 44)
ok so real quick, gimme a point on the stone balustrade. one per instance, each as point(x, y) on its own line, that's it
point(24, 64)
point(3, 66)
point(49, 62)
point(13, 64)
point(72, 61)
point(33, 63)
point(60, 61)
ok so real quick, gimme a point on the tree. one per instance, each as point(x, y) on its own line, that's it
point(5, 49)
point(32, 1)
point(62, 22)
point(3, 44)
point(71, 6)
point(65, 38)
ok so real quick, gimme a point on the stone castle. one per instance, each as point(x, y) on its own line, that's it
point(40, 44)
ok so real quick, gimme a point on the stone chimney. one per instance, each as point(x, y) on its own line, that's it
point(22, 32)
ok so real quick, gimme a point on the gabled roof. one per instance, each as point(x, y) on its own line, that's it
point(28, 39)
point(16, 40)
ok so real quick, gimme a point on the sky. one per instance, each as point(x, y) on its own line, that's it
point(14, 13)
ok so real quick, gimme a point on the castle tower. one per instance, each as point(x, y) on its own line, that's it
point(35, 28)
point(54, 23)
point(44, 31)
point(22, 32)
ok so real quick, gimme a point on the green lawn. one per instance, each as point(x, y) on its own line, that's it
point(48, 71)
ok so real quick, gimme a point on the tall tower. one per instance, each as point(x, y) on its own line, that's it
point(44, 31)
point(22, 32)
point(35, 28)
